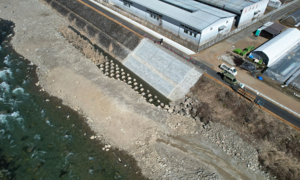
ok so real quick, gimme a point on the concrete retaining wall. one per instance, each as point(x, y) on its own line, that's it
point(180, 40)
point(163, 70)
point(106, 33)
point(158, 29)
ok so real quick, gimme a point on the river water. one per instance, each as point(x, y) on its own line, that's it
point(41, 139)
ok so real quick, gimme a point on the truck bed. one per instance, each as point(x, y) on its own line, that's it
point(225, 67)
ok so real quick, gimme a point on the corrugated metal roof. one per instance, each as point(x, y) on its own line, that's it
point(204, 15)
point(285, 66)
point(181, 5)
point(275, 28)
point(231, 5)
point(279, 45)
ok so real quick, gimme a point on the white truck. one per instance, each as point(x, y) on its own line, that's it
point(229, 69)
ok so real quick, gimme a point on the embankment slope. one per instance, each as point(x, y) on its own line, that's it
point(111, 36)
point(160, 142)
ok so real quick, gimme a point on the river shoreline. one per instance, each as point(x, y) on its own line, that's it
point(113, 163)
point(159, 142)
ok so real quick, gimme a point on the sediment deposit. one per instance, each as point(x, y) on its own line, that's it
point(165, 146)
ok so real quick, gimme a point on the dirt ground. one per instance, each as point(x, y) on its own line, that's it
point(276, 142)
point(213, 55)
point(165, 146)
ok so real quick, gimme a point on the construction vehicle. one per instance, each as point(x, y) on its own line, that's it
point(229, 78)
point(229, 69)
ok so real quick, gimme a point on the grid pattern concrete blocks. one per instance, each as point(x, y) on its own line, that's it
point(167, 73)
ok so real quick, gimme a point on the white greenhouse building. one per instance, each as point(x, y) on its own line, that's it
point(282, 56)
point(273, 50)
point(190, 20)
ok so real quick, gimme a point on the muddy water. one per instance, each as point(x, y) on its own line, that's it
point(42, 139)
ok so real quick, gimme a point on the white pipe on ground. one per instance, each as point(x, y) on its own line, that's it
point(153, 33)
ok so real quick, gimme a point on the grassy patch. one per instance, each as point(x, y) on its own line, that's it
point(277, 143)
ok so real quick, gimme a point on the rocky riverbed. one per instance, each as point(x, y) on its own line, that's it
point(223, 137)
point(166, 145)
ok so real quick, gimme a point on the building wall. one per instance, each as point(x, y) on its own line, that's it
point(248, 13)
point(137, 10)
point(176, 27)
point(165, 72)
point(212, 31)
point(170, 27)
point(190, 38)
point(275, 3)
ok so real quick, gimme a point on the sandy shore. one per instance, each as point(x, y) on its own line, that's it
point(165, 146)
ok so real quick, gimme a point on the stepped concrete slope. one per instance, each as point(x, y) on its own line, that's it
point(162, 69)
point(110, 35)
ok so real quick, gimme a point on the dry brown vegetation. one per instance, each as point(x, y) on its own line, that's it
point(277, 143)
point(83, 45)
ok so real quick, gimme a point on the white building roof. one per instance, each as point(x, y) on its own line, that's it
point(235, 6)
point(188, 12)
point(279, 45)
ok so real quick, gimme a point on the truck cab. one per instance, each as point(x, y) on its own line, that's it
point(233, 71)
point(229, 78)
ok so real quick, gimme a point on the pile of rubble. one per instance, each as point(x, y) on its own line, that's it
point(228, 140)
point(186, 107)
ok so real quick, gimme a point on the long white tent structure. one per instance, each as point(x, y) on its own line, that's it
point(277, 47)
